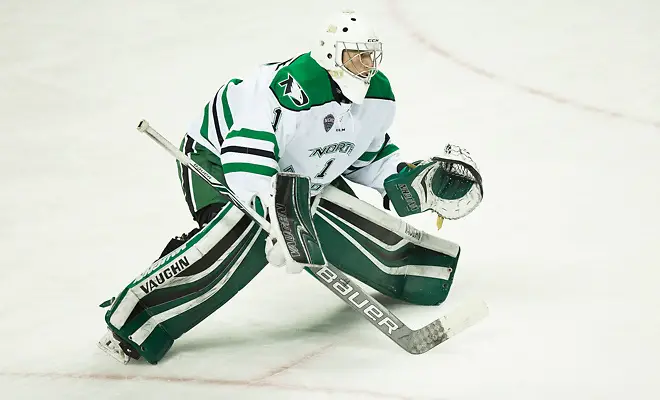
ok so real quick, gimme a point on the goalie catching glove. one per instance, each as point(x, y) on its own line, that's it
point(449, 185)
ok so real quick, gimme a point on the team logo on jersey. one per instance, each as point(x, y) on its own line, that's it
point(328, 122)
point(293, 90)
point(340, 147)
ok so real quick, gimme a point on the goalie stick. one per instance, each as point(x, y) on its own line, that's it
point(413, 341)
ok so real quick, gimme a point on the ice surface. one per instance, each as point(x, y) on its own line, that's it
point(559, 103)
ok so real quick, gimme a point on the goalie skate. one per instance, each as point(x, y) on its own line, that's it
point(113, 347)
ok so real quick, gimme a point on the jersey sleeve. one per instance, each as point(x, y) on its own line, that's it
point(251, 149)
point(377, 163)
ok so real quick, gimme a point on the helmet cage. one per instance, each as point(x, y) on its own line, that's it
point(373, 49)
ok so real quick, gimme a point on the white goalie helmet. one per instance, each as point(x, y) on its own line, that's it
point(349, 33)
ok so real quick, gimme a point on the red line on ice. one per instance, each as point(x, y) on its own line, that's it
point(207, 381)
point(399, 16)
point(292, 364)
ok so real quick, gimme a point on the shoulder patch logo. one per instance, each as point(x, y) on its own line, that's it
point(328, 122)
point(293, 90)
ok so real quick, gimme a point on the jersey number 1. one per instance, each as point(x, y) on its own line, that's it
point(325, 168)
point(276, 118)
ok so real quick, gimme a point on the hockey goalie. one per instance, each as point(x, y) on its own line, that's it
point(324, 115)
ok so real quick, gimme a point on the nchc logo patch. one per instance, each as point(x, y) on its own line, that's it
point(293, 91)
point(328, 122)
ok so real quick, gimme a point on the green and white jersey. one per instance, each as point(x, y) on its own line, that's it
point(286, 117)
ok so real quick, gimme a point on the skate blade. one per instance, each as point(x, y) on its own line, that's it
point(111, 348)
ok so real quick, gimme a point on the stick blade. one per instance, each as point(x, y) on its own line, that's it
point(447, 326)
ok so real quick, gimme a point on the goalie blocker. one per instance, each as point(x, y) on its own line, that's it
point(293, 240)
point(215, 262)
